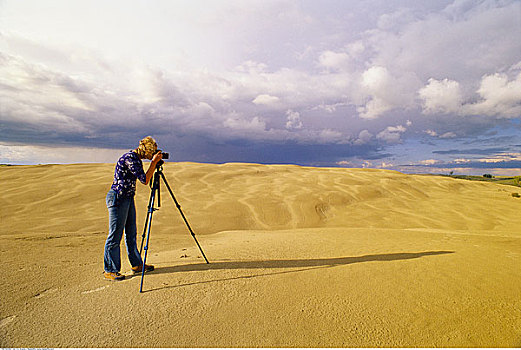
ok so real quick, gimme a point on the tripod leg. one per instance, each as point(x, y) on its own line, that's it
point(149, 212)
point(183, 215)
point(148, 226)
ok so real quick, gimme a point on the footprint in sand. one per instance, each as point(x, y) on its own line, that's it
point(45, 292)
point(94, 290)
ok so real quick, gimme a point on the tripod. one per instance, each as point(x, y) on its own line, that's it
point(148, 222)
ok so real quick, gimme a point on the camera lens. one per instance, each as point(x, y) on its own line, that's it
point(165, 154)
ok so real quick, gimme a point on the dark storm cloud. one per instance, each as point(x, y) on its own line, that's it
point(206, 150)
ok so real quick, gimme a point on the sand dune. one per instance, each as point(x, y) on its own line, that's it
point(305, 257)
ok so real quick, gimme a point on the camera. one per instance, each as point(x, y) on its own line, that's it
point(165, 154)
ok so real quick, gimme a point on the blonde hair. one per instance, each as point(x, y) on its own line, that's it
point(147, 147)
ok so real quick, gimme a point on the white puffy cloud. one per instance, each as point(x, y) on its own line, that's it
point(377, 83)
point(392, 134)
point(499, 97)
point(363, 137)
point(385, 92)
point(377, 79)
point(447, 135)
point(265, 99)
point(333, 60)
point(441, 96)
point(255, 124)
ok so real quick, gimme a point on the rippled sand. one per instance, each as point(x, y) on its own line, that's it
point(299, 257)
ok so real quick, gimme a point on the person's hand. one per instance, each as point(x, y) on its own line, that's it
point(157, 157)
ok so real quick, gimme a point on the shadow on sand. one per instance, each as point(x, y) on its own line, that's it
point(296, 265)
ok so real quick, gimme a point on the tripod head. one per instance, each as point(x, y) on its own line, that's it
point(159, 165)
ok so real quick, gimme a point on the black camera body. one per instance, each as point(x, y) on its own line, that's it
point(166, 155)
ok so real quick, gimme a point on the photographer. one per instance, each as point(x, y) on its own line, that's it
point(122, 210)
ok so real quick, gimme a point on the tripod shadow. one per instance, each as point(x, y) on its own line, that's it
point(299, 264)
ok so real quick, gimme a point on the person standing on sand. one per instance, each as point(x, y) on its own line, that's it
point(122, 210)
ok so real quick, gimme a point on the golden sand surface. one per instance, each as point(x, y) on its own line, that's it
point(299, 257)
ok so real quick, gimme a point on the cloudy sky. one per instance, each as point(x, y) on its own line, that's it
point(416, 86)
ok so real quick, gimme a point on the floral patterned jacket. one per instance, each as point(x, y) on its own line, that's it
point(128, 168)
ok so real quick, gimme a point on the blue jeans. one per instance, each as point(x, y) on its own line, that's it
point(122, 216)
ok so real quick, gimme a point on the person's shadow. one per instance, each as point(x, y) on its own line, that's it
point(296, 265)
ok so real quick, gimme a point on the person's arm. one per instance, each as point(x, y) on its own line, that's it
point(150, 172)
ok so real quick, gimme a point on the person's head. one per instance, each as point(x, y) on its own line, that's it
point(147, 147)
